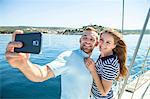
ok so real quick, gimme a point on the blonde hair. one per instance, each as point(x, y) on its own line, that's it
point(93, 30)
point(120, 50)
point(90, 29)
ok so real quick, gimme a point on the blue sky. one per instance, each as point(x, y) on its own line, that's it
point(73, 13)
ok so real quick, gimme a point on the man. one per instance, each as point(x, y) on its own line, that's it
point(76, 80)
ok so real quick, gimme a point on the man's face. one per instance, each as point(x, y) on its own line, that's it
point(88, 41)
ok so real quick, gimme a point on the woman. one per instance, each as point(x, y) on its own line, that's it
point(111, 64)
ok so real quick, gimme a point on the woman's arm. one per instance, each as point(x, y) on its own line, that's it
point(102, 85)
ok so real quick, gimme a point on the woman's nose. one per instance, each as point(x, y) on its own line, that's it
point(104, 45)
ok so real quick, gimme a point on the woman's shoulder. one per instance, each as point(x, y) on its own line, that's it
point(110, 61)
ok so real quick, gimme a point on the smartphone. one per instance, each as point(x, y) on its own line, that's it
point(31, 42)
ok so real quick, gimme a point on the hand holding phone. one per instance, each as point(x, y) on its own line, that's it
point(31, 42)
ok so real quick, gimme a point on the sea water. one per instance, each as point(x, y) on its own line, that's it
point(14, 85)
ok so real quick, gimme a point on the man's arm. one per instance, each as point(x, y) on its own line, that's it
point(21, 61)
point(36, 73)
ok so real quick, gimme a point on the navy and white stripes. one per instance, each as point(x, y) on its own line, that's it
point(107, 69)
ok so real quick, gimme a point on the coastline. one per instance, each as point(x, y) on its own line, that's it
point(62, 30)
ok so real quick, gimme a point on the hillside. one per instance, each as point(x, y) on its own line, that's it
point(60, 30)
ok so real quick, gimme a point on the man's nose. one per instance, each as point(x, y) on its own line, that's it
point(88, 41)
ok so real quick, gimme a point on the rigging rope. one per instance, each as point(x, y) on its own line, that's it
point(141, 72)
point(135, 53)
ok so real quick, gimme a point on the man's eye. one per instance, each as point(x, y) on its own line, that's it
point(84, 37)
point(92, 39)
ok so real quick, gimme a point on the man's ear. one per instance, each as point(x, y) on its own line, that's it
point(80, 40)
point(96, 44)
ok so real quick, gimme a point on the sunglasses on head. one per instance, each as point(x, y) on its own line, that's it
point(107, 31)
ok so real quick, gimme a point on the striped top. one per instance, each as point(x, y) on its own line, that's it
point(107, 69)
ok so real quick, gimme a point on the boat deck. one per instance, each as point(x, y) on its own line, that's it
point(142, 85)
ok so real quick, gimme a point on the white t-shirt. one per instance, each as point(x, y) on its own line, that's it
point(76, 80)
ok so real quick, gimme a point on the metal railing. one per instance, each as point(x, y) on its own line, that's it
point(135, 54)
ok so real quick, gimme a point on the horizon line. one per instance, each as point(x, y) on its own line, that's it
point(63, 26)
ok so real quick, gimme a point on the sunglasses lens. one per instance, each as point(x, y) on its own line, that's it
point(107, 31)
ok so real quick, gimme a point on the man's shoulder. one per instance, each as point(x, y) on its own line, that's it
point(68, 52)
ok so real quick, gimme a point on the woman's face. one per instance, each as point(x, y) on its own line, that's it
point(106, 43)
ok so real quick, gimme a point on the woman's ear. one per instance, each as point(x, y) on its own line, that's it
point(114, 46)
